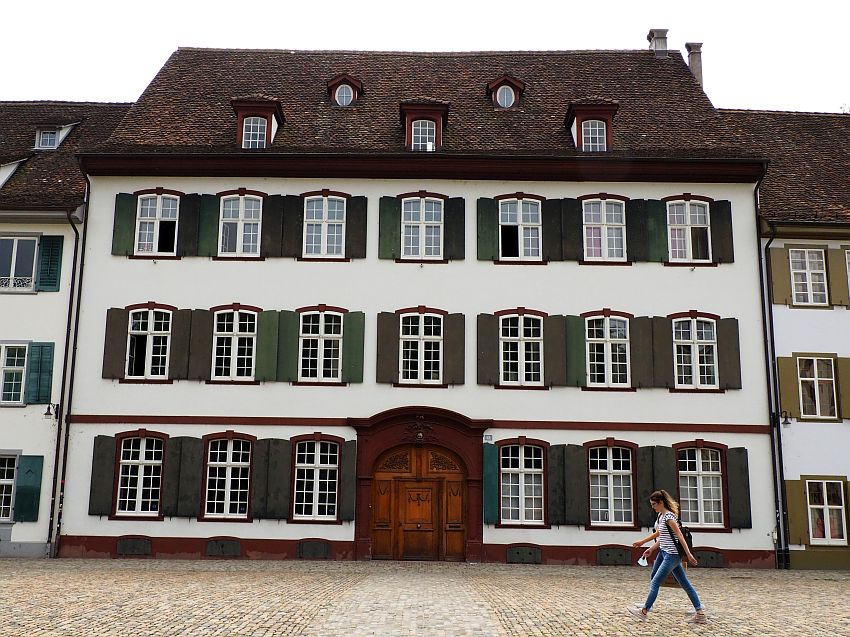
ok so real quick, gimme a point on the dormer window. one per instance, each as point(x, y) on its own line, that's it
point(593, 138)
point(254, 132)
point(424, 135)
point(344, 89)
point(258, 119)
point(344, 95)
point(48, 138)
point(589, 121)
point(424, 121)
point(505, 91)
point(505, 96)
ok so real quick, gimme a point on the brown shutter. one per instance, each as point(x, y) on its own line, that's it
point(388, 338)
point(780, 276)
point(487, 347)
point(453, 349)
point(789, 393)
point(553, 249)
point(200, 345)
point(729, 354)
point(115, 342)
point(843, 387)
point(662, 352)
point(555, 351)
point(837, 271)
point(272, 233)
point(293, 226)
point(178, 356)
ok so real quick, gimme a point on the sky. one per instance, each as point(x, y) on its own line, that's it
point(756, 54)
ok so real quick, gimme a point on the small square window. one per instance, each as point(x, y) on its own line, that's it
point(47, 138)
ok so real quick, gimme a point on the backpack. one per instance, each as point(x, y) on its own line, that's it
point(686, 533)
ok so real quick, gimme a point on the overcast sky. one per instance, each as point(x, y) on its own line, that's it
point(756, 54)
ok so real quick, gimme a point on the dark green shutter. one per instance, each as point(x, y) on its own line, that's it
point(722, 246)
point(39, 373)
point(490, 486)
point(640, 351)
point(738, 480)
point(664, 474)
point(171, 476)
point(102, 475)
point(487, 229)
point(260, 478)
point(279, 479)
point(191, 469)
point(388, 338)
point(355, 228)
point(389, 228)
point(115, 343)
point(555, 351)
point(555, 485)
point(201, 345)
point(124, 224)
point(49, 263)
point(347, 480)
point(662, 352)
point(178, 355)
point(553, 247)
point(188, 223)
point(287, 346)
point(573, 229)
point(487, 349)
point(576, 352)
point(656, 230)
point(454, 329)
point(455, 240)
point(28, 488)
point(729, 354)
point(645, 486)
point(353, 336)
point(576, 494)
point(293, 226)
point(637, 239)
point(267, 344)
point(272, 233)
point(208, 226)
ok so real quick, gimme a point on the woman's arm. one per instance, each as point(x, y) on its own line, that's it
point(675, 527)
point(645, 540)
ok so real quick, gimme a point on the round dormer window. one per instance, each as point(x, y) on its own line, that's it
point(505, 96)
point(344, 95)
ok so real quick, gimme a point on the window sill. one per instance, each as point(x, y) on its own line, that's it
point(603, 262)
point(202, 518)
point(689, 390)
point(12, 405)
point(811, 306)
point(422, 385)
point(621, 389)
point(420, 261)
point(530, 387)
point(708, 529)
point(519, 262)
point(137, 518)
point(145, 381)
point(18, 291)
point(318, 383)
point(689, 264)
point(603, 527)
point(819, 419)
point(237, 258)
point(232, 382)
point(306, 521)
point(154, 257)
point(826, 544)
point(321, 259)
point(527, 525)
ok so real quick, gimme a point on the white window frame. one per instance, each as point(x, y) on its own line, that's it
point(423, 135)
point(529, 479)
point(254, 134)
point(329, 346)
point(608, 480)
point(418, 229)
point(817, 380)
point(594, 135)
point(608, 228)
point(7, 370)
point(524, 351)
point(423, 345)
point(39, 138)
point(325, 224)
point(608, 342)
point(7, 488)
point(687, 230)
point(809, 276)
point(237, 478)
point(14, 283)
point(705, 475)
point(526, 229)
point(694, 347)
point(342, 99)
point(505, 96)
point(826, 507)
point(151, 334)
point(230, 350)
point(316, 477)
point(136, 468)
point(157, 221)
point(242, 224)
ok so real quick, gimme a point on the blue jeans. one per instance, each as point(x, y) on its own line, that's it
point(664, 565)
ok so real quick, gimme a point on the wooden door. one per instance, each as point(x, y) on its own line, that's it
point(418, 520)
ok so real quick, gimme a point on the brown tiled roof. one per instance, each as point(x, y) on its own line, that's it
point(50, 179)
point(186, 108)
point(808, 177)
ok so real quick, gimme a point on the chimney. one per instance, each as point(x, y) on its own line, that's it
point(657, 39)
point(695, 59)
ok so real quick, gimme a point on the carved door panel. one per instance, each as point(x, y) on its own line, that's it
point(382, 520)
point(419, 515)
point(454, 542)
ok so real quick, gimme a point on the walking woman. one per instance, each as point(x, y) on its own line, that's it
point(668, 561)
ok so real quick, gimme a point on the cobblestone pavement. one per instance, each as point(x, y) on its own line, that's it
point(141, 598)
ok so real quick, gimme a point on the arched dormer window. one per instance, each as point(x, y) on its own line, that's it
point(590, 120)
point(258, 118)
point(424, 120)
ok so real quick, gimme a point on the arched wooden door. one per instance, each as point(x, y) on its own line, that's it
point(418, 505)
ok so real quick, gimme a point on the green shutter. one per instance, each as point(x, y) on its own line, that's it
point(640, 351)
point(487, 229)
point(191, 475)
point(455, 241)
point(553, 247)
point(645, 486)
point(573, 224)
point(656, 230)
point(49, 263)
point(576, 491)
point(208, 226)
point(28, 488)
point(738, 479)
point(200, 345)
point(453, 349)
point(387, 354)
point(555, 485)
point(287, 348)
point(389, 228)
point(115, 343)
point(39, 373)
point(260, 478)
point(187, 225)
point(555, 351)
point(490, 484)
point(789, 394)
point(267, 344)
point(347, 480)
point(722, 245)
point(124, 224)
point(355, 228)
point(353, 335)
point(729, 354)
point(178, 354)
point(487, 350)
point(637, 240)
point(662, 352)
point(102, 475)
point(576, 352)
point(272, 233)
point(293, 226)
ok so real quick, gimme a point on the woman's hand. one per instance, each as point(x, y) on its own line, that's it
point(637, 544)
point(692, 560)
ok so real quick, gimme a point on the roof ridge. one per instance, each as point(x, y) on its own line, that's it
point(767, 111)
point(418, 53)
point(60, 103)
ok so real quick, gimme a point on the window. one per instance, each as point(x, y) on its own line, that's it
point(235, 339)
point(240, 226)
point(422, 228)
point(424, 135)
point(48, 138)
point(324, 227)
point(826, 512)
point(604, 230)
point(808, 277)
point(700, 487)
point(695, 351)
point(690, 238)
point(228, 469)
point(607, 351)
point(316, 467)
point(505, 96)
point(344, 95)
point(13, 361)
point(817, 387)
point(254, 132)
point(522, 484)
point(17, 263)
point(147, 348)
point(321, 347)
point(140, 478)
point(521, 345)
point(519, 229)
point(593, 135)
point(421, 348)
point(156, 224)
point(7, 487)
point(610, 486)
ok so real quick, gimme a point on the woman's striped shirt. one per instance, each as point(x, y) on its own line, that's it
point(665, 538)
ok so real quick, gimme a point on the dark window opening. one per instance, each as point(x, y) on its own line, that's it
point(137, 355)
point(510, 241)
point(167, 234)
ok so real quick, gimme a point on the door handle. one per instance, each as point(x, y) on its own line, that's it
point(418, 526)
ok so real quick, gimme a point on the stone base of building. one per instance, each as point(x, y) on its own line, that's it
point(821, 558)
point(24, 549)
